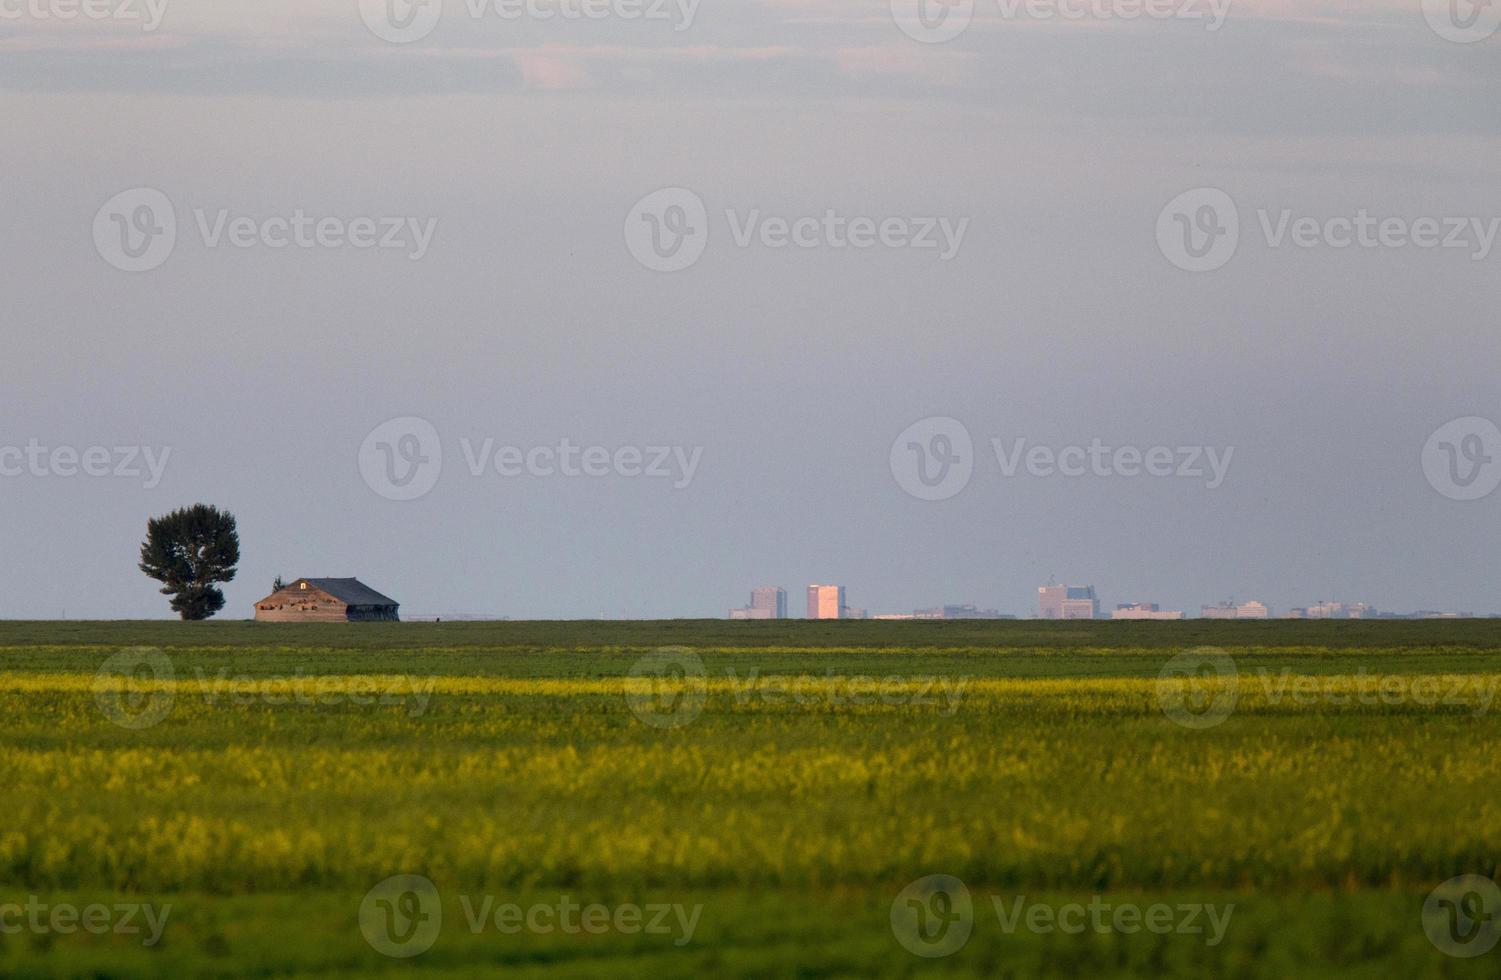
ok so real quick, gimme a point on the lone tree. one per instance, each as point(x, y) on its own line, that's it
point(189, 551)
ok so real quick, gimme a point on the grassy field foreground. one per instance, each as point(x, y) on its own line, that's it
point(979, 802)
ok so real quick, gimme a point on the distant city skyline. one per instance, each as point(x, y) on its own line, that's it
point(1065, 602)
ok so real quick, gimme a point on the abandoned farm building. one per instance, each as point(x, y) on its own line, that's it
point(327, 600)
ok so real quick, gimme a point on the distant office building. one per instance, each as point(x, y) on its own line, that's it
point(1234, 610)
point(767, 602)
point(770, 599)
point(1144, 610)
point(1340, 610)
point(966, 611)
point(826, 602)
point(1081, 609)
point(1067, 602)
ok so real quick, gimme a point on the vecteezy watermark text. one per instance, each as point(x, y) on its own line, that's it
point(402, 459)
point(402, 917)
point(934, 459)
point(97, 462)
point(1212, 12)
point(64, 919)
point(677, 463)
point(1474, 692)
point(137, 231)
point(1208, 463)
point(934, 917)
point(670, 687)
point(1200, 231)
point(1201, 688)
point(668, 231)
point(574, 918)
point(139, 688)
point(837, 690)
point(679, 13)
point(407, 21)
point(937, 21)
point(147, 13)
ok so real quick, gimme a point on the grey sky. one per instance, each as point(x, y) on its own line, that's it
point(529, 321)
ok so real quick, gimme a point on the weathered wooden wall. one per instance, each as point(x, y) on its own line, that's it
point(294, 605)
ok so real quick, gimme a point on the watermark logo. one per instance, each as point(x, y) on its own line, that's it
point(147, 13)
point(96, 462)
point(138, 689)
point(1199, 230)
point(1210, 464)
point(1212, 12)
point(667, 688)
point(1462, 917)
point(402, 916)
point(402, 459)
point(668, 230)
point(679, 13)
point(670, 688)
point(938, 21)
point(65, 919)
point(134, 688)
point(1462, 459)
point(1476, 692)
point(1197, 688)
point(575, 918)
point(1126, 918)
point(571, 461)
point(1463, 21)
point(933, 459)
point(777, 691)
point(317, 690)
point(932, 21)
point(933, 917)
point(401, 21)
point(408, 21)
point(136, 230)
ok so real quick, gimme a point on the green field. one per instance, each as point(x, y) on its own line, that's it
point(750, 799)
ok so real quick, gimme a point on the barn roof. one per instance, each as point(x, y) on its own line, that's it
point(350, 591)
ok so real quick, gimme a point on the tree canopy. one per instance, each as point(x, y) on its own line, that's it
point(190, 551)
